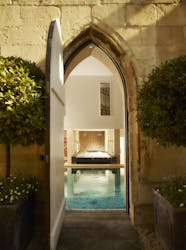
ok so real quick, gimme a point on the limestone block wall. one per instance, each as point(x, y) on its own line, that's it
point(26, 161)
point(149, 32)
point(24, 29)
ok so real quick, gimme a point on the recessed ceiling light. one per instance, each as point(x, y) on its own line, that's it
point(91, 46)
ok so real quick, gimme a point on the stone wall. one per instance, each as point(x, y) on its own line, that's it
point(148, 31)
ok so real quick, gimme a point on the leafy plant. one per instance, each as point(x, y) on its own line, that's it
point(22, 94)
point(174, 190)
point(14, 189)
point(162, 103)
point(22, 103)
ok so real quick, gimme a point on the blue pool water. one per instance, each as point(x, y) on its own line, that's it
point(95, 189)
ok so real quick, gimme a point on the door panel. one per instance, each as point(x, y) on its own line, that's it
point(55, 130)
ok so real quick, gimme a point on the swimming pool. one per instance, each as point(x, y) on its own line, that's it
point(95, 189)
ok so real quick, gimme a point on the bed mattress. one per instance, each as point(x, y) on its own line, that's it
point(93, 157)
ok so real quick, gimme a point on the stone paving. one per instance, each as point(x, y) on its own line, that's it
point(110, 230)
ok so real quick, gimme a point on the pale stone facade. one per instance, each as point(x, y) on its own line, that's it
point(147, 31)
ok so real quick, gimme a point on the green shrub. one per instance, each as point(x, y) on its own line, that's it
point(22, 102)
point(162, 103)
point(174, 190)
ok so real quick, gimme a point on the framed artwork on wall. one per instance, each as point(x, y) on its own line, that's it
point(104, 99)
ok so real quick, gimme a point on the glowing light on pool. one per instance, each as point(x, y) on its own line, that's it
point(95, 189)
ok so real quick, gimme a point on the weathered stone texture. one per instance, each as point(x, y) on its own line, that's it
point(112, 14)
point(59, 2)
point(4, 2)
point(39, 16)
point(144, 52)
point(3, 35)
point(162, 162)
point(10, 16)
point(26, 2)
point(184, 33)
point(170, 35)
point(81, 2)
point(131, 35)
point(33, 53)
point(141, 1)
point(74, 19)
point(27, 160)
point(167, 52)
point(145, 188)
point(116, 1)
point(78, 2)
point(141, 15)
point(148, 35)
point(146, 65)
point(26, 35)
point(171, 15)
point(27, 26)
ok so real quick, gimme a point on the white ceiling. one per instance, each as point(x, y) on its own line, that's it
point(91, 66)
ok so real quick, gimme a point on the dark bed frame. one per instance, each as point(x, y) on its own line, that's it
point(93, 160)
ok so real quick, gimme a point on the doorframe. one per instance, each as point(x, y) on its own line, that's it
point(102, 40)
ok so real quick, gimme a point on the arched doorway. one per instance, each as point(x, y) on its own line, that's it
point(94, 136)
point(78, 50)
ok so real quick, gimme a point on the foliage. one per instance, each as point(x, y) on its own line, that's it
point(22, 101)
point(174, 190)
point(13, 190)
point(162, 103)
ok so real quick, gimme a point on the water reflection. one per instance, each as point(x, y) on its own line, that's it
point(95, 189)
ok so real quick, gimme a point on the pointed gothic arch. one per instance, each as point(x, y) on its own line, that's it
point(114, 50)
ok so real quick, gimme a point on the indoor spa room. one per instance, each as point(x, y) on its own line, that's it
point(95, 176)
point(94, 137)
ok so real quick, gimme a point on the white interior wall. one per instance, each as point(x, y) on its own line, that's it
point(83, 103)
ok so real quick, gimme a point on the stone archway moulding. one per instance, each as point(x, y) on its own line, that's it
point(114, 50)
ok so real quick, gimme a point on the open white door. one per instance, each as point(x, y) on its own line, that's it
point(55, 79)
